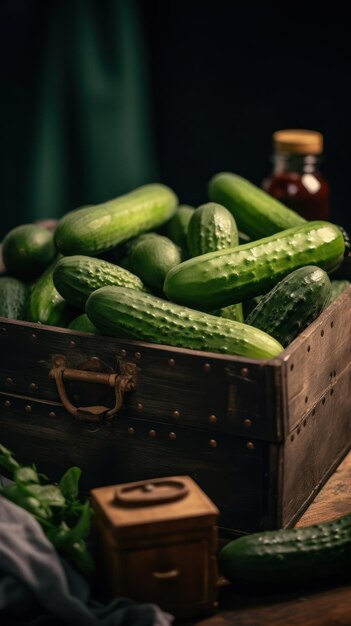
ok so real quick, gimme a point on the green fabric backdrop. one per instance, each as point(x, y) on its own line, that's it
point(88, 124)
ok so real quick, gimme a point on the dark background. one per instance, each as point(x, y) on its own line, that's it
point(220, 79)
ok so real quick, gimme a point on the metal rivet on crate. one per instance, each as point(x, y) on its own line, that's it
point(34, 337)
point(171, 362)
point(176, 414)
point(72, 344)
point(172, 435)
point(28, 408)
point(138, 355)
point(139, 407)
point(3, 330)
point(213, 443)
point(131, 431)
point(212, 419)
point(7, 404)
point(247, 423)
point(33, 387)
point(152, 433)
point(207, 367)
point(9, 382)
point(250, 445)
point(244, 372)
point(52, 414)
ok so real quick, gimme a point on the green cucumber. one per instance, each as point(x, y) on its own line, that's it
point(256, 212)
point(211, 227)
point(151, 257)
point(297, 555)
point(135, 315)
point(177, 227)
point(13, 298)
point(338, 287)
point(231, 312)
point(45, 305)
point(27, 250)
point(229, 276)
point(94, 230)
point(293, 304)
point(76, 277)
point(83, 324)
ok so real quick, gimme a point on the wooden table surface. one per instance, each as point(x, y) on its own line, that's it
point(325, 604)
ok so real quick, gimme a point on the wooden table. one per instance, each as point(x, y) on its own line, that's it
point(325, 604)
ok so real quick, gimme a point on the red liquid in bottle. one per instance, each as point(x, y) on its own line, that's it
point(296, 179)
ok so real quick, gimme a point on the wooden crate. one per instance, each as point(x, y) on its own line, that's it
point(259, 437)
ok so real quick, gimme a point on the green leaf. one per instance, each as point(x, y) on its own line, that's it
point(80, 530)
point(48, 494)
point(24, 499)
point(26, 475)
point(79, 556)
point(69, 483)
point(7, 461)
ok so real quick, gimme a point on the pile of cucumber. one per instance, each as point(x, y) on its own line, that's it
point(241, 274)
point(143, 267)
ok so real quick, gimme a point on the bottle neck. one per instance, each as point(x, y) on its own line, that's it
point(299, 163)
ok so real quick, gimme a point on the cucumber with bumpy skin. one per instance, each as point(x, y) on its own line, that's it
point(293, 304)
point(76, 277)
point(13, 297)
point(45, 305)
point(177, 227)
point(212, 227)
point(132, 314)
point(295, 555)
point(229, 276)
point(256, 212)
point(97, 229)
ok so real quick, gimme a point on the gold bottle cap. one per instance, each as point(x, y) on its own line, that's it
point(297, 141)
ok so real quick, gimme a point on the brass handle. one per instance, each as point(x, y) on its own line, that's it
point(125, 381)
point(173, 573)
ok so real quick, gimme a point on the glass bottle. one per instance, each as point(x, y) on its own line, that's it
point(296, 179)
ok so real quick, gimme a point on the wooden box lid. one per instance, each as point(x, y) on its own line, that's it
point(153, 507)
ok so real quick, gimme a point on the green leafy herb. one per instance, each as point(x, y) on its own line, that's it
point(64, 518)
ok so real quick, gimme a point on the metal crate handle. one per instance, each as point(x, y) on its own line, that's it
point(121, 383)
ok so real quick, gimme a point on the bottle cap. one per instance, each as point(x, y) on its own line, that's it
point(297, 141)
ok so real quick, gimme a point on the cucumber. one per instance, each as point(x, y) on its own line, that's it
point(293, 304)
point(13, 298)
point(229, 276)
point(97, 229)
point(83, 324)
point(151, 257)
point(231, 312)
point(132, 314)
point(211, 227)
point(177, 227)
point(27, 250)
point(76, 277)
point(256, 212)
point(45, 305)
point(337, 288)
point(295, 555)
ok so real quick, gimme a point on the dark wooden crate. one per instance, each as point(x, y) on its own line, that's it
point(260, 437)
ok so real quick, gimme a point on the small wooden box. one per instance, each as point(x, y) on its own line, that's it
point(156, 542)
